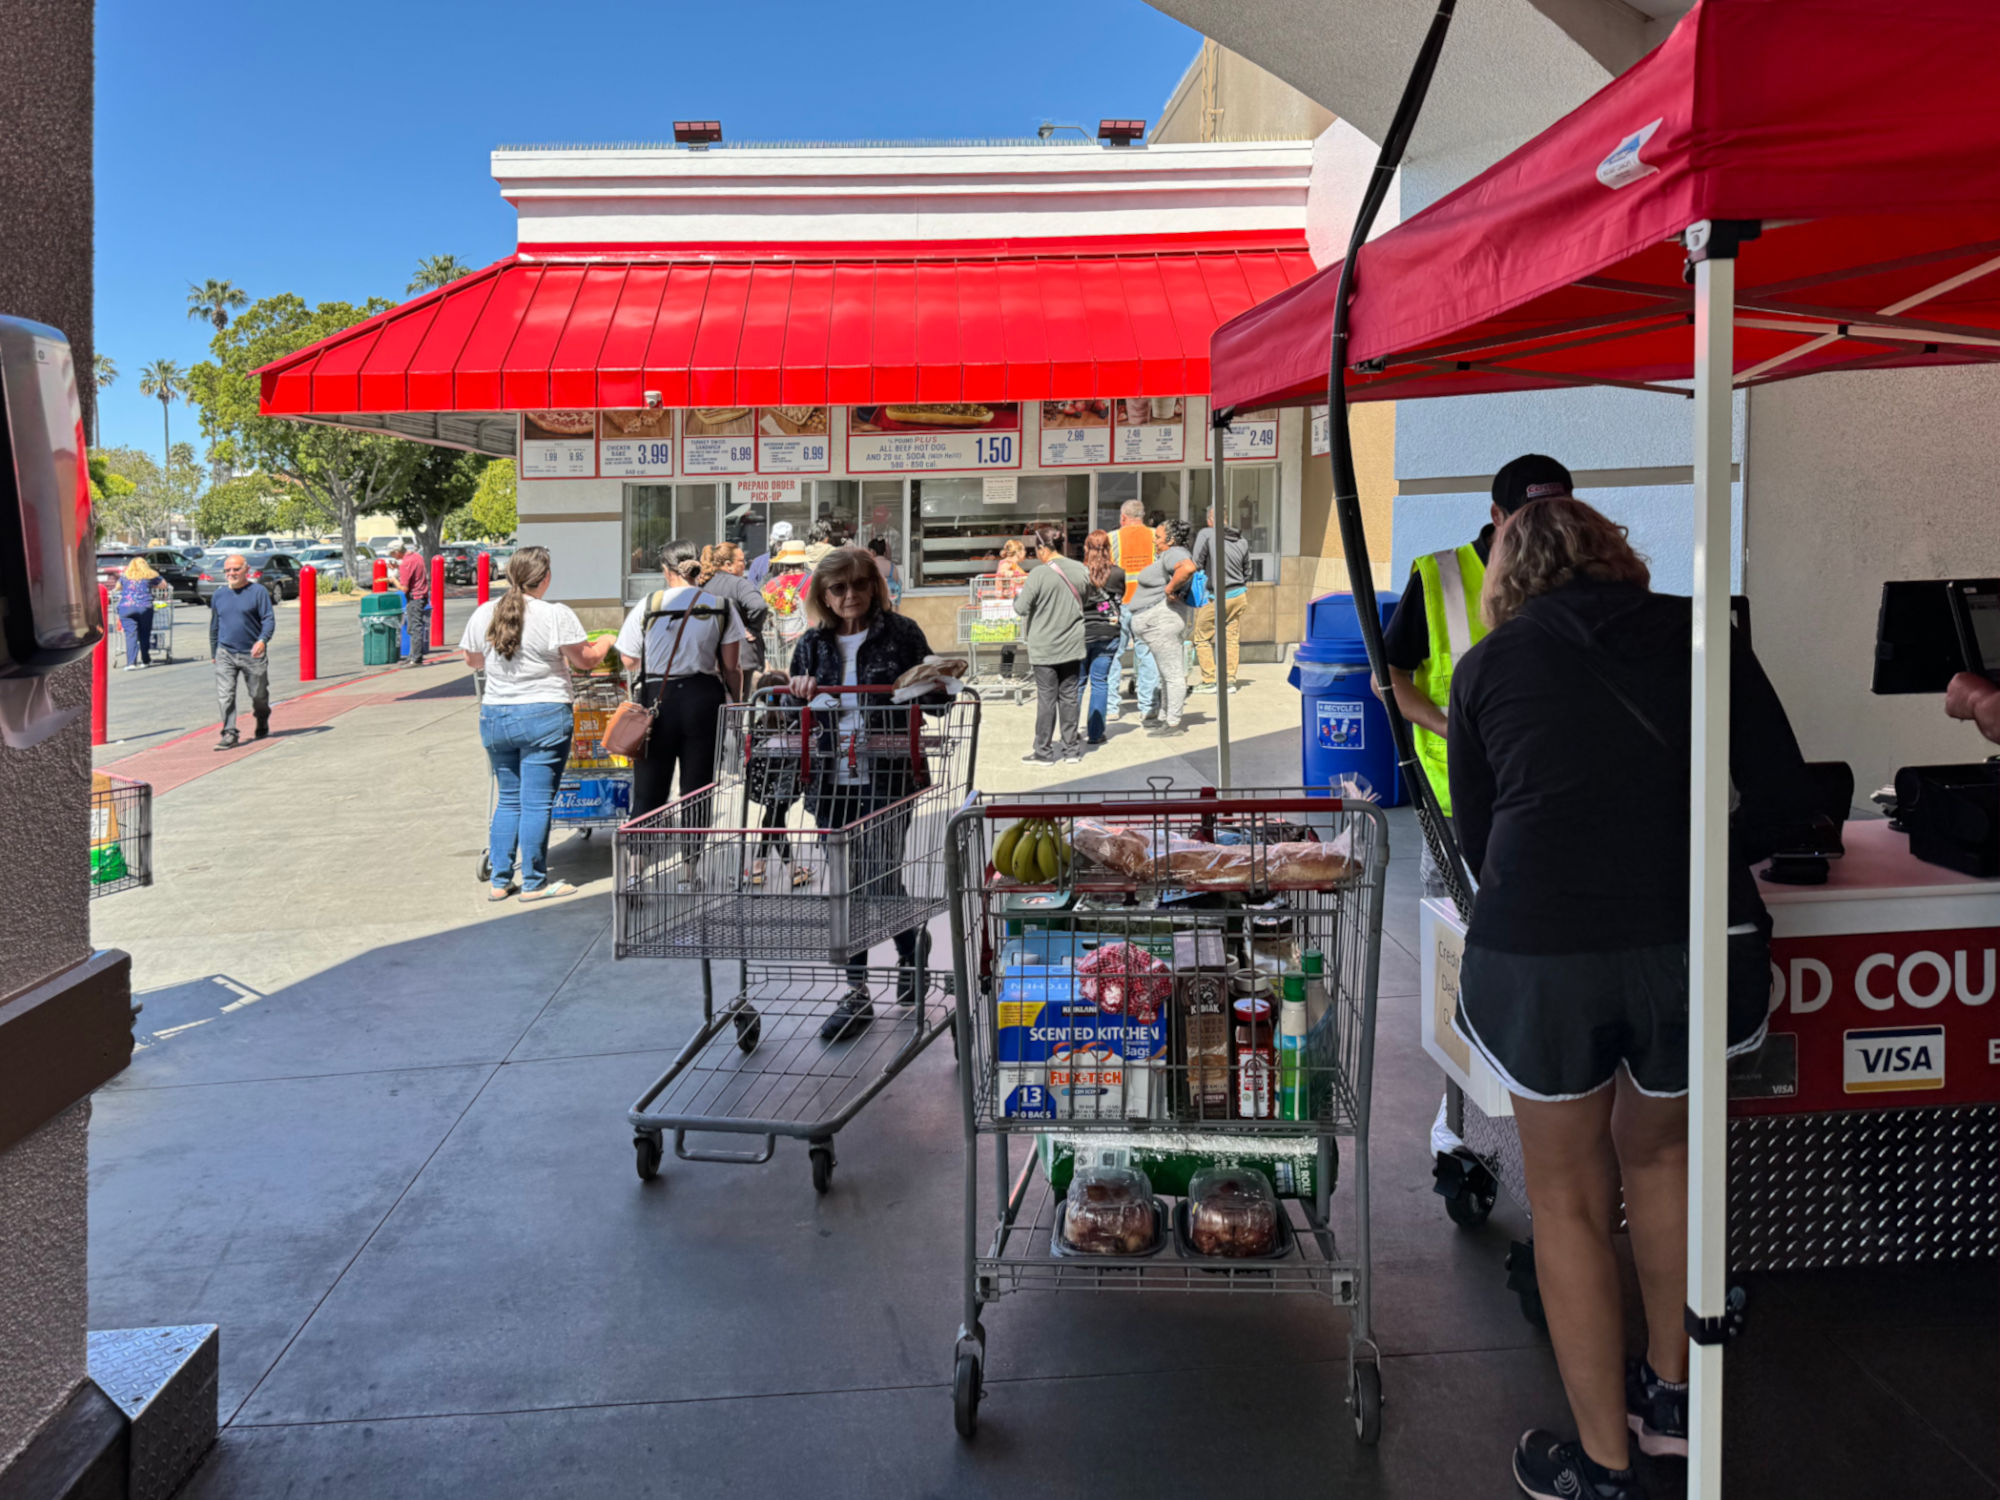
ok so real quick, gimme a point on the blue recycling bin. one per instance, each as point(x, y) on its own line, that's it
point(1343, 730)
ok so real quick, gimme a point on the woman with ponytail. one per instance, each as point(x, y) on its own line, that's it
point(723, 570)
point(526, 646)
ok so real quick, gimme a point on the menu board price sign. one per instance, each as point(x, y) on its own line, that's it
point(718, 440)
point(1322, 433)
point(1076, 434)
point(1251, 437)
point(558, 445)
point(1150, 430)
point(635, 444)
point(794, 440)
point(930, 439)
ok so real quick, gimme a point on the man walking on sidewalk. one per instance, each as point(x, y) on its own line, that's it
point(414, 579)
point(1235, 584)
point(241, 623)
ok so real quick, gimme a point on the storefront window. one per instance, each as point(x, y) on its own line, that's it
point(1252, 510)
point(881, 515)
point(656, 514)
point(959, 533)
point(1160, 492)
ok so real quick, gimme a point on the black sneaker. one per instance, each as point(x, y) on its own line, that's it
point(263, 730)
point(1548, 1468)
point(1036, 758)
point(228, 741)
point(849, 1019)
point(1656, 1412)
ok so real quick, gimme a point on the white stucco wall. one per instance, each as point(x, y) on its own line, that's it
point(1854, 480)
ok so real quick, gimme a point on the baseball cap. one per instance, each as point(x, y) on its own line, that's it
point(779, 532)
point(1532, 476)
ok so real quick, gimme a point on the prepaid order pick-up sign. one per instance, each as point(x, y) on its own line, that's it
point(1871, 1020)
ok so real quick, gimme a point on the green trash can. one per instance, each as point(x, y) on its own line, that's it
point(379, 647)
point(389, 603)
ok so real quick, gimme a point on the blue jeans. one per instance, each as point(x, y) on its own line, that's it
point(1100, 660)
point(528, 745)
point(1145, 671)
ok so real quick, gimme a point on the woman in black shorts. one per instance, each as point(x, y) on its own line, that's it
point(1569, 735)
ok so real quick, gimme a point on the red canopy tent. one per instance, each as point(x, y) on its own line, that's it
point(1782, 188)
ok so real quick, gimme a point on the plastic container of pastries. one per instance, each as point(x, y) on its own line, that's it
point(1109, 1211)
point(1230, 1213)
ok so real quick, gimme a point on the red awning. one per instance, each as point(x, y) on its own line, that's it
point(801, 325)
point(1863, 136)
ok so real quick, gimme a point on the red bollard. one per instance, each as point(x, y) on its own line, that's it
point(484, 570)
point(308, 624)
point(437, 600)
point(100, 674)
point(381, 575)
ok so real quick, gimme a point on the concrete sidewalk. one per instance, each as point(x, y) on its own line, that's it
point(376, 1131)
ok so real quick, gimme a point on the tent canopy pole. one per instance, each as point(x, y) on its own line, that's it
point(1218, 426)
point(1712, 247)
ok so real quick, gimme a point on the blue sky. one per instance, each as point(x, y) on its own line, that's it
point(323, 149)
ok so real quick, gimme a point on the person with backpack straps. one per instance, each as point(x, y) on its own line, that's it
point(1050, 607)
point(685, 645)
point(1158, 627)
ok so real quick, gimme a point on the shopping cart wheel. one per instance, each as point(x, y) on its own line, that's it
point(750, 1031)
point(965, 1394)
point(1468, 1189)
point(485, 868)
point(1367, 1403)
point(822, 1165)
point(649, 1149)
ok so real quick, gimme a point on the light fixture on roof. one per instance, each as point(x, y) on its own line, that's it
point(700, 134)
point(1049, 127)
point(1121, 132)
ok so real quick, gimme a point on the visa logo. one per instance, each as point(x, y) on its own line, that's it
point(1892, 1058)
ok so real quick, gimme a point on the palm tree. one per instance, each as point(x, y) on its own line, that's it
point(105, 368)
point(213, 301)
point(166, 382)
point(437, 270)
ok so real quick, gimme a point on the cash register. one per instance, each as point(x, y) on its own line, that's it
point(1926, 632)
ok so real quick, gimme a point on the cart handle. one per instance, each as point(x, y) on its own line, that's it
point(1193, 805)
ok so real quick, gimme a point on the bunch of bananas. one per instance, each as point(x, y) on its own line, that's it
point(1033, 852)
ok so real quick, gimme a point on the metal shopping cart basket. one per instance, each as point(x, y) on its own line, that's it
point(1110, 1011)
point(821, 839)
point(596, 786)
point(121, 833)
point(990, 632)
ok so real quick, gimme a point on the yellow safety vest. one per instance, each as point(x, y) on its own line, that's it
point(1452, 581)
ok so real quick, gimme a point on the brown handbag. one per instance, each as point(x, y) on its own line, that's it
point(631, 723)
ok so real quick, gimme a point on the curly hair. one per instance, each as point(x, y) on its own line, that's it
point(718, 558)
point(1549, 543)
point(1097, 556)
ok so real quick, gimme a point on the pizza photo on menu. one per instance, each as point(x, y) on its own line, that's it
point(951, 416)
point(557, 426)
point(652, 424)
point(719, 421)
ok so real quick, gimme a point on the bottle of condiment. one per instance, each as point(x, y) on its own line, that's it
point(1255, 1060)
point(1291, 1044)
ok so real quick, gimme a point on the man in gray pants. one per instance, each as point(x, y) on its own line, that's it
point(241, 623)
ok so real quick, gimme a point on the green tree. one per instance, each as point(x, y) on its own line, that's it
point(166, 382)
point(105, 369)
point(490, 515)
point(109, 489)
point(213, 301)
point(442, 482)
point(341, 472)
point(248, 503)
point(437, 270)
point(140, 499)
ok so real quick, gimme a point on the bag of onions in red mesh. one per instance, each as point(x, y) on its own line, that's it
point(1123, 980)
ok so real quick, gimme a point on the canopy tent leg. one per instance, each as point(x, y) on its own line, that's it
point(1223, 681)
point(1708, 847)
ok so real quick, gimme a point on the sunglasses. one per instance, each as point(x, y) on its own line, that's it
point(847, 586)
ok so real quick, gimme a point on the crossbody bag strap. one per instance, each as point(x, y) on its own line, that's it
point(645, 625)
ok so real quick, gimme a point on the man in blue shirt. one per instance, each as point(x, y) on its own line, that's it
point(241, 623)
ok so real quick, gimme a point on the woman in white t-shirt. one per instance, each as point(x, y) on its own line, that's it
point(526, 646)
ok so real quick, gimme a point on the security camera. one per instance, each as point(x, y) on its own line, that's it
point(653, 400)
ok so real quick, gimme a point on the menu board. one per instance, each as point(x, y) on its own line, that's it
point(1150, 430)
point(1251, 436)
point(637, 444)
point(1076, 434)
point(794, 440)
point(1322, 433)
point(718, 440)
point(558, 445)
point(931, 439)
point(759, 490)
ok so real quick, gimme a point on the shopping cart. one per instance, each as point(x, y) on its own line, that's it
point(121, 833)
point(596, 786)
point(160, 639)
point(1111, 1010)
point(736, 871)
point(990, 632)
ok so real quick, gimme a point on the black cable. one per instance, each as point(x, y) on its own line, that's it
point(1346, 488)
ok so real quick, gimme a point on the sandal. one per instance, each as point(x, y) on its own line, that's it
point(560, 888)
point(801, 876)
point(757, 873)
point(500, 893)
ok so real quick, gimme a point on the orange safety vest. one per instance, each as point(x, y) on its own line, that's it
point(1126, 546)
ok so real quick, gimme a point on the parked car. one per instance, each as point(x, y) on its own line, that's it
point(329, 562)
point(500, 555)
point(245, 544)
point(461, 561)
point(192, 553)
point(174, 569)
point(380, 545)
point(278, 572)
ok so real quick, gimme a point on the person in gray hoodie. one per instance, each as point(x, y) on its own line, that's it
point(1050, 607)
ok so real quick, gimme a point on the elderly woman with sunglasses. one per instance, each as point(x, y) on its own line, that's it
point(858, 640)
